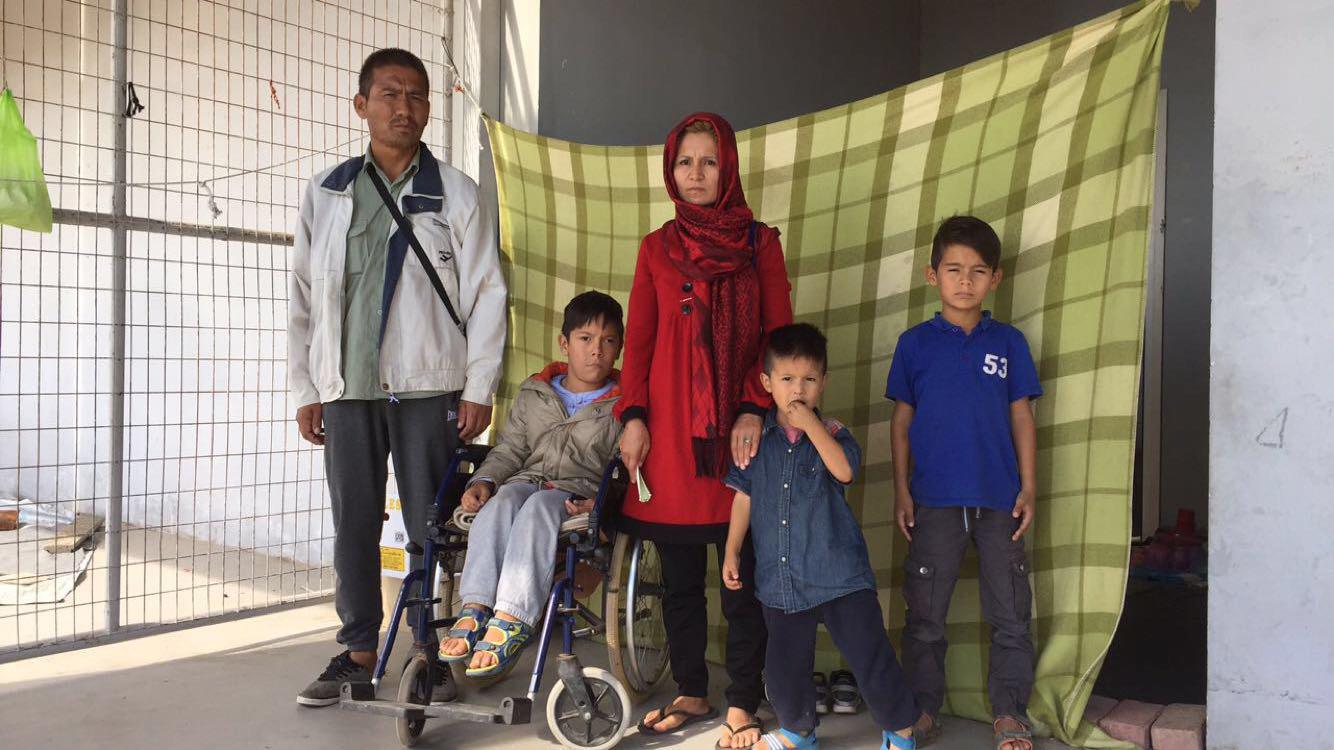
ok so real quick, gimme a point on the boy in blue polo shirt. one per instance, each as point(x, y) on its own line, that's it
point(811, 563)
point(964, 445)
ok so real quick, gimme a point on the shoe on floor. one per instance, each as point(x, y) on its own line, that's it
point(445, 688)
point(324, 691)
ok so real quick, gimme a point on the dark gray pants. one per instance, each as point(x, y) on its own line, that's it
point(359, 438)
point(940, 537)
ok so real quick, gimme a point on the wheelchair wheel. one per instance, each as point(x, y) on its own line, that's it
point(413, 687)
point(636, 634)
point(611, 713)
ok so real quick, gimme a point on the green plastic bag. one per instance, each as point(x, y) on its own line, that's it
point(24, 202)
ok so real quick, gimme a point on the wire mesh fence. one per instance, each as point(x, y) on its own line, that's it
point(146, 438)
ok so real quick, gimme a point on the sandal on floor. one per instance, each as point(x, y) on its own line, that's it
point(734, 731)
point(924, 737)
point(516, 636)
point(1025, 736)
point(667, 711)
point(892, 741)
point(821, 692)
point(783, 739)
point(843, 688)
point(479, 617)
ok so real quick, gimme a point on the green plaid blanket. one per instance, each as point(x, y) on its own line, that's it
point(1053, 144)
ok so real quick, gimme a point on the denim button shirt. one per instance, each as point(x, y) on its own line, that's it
point(809, 547)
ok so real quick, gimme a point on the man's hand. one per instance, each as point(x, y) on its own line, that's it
point(634, 445)
point(903, 513)
point(476, 496)
point(746, 438)
point(803, 417)
point(473, 418)
point(579, 506)
point(1025, 507)
point(732, 571)
point(310, 422)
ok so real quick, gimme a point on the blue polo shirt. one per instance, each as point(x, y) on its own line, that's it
point(961, 387)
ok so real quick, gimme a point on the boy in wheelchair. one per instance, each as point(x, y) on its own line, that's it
point(548, 462)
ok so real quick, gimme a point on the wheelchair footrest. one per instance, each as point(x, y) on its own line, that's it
point(361, 697)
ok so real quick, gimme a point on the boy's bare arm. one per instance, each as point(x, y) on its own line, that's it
point(901, 453)
point(736, 535)
point(834, 457)
point(739, 524)
point(1024, 431)
point(899, 447)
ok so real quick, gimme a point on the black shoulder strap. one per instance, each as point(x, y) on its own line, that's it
point(406, 228)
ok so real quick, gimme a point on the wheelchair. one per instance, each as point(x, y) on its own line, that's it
point(588, 708)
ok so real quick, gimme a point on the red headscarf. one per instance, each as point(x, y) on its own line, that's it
point(714, 245)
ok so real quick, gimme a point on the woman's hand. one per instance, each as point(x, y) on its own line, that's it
point(634, 445)
point(746, 438)
point(476, 496)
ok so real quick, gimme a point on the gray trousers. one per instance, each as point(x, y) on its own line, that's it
point(512, 550)
point(939, 539)
point(359, 437)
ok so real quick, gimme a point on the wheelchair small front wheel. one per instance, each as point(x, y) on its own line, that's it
point(413, 687)
point(610, 713)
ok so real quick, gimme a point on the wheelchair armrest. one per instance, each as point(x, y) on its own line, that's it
point(607, 504)
point(473, 453)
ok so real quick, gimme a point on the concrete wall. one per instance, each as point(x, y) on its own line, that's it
point(614, 72)
point(955, 32)
point(1271, 644)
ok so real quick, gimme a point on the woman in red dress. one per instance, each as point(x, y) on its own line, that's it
point(707, 287)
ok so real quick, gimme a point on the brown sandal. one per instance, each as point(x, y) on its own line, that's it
point(1001, 737)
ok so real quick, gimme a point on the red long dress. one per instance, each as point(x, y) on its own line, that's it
point(655, 378)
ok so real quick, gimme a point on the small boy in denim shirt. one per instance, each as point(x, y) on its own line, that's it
point(811, 563)
point(964, 445)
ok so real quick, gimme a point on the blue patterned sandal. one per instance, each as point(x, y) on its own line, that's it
point(479, 617)
point(784, 739)
point(894, 741)
point(516, 636)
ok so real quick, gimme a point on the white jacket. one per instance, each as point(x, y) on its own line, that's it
point(420, 347)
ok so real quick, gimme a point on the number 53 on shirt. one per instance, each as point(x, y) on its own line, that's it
point(996, 365)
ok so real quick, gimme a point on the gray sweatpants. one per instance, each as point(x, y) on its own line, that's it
point(359, 437)
point(512, 550)
point(935, 554)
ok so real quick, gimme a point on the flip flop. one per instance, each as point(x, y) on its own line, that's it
point(892, 741)
point(783, 739)
point(667, 711)
point(757, 724)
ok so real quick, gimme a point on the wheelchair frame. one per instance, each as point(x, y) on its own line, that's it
point(578, 686)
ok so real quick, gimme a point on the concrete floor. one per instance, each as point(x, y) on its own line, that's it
point(232, 685)
point(166, 578)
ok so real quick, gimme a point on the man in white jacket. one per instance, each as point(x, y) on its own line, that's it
point(379, 364)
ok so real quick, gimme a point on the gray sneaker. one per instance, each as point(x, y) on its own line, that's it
point(445, 689)
point(324, 691)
